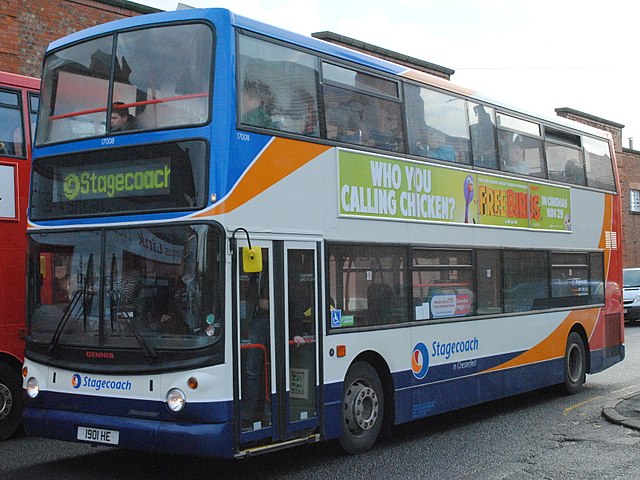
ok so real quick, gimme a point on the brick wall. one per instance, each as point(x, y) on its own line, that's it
point(629, 171)
point(28, 26)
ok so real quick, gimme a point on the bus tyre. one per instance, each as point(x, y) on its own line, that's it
point(11, 402)
point(575, 363)
point(362, 408)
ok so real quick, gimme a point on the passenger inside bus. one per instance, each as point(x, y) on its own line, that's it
point(11, 142)
point(256, 105)
point(483, 138)
point(121, 119)
point(178, 318)
point(347, 116)
point(438, 148)
point(377, 128)
point(573, 173)
point(304, 114)
point(256, 339)
point(514, 158)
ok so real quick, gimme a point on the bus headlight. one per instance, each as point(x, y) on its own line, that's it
point(33, 387)
point(176, 400)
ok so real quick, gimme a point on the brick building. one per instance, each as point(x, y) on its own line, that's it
point(28, 26)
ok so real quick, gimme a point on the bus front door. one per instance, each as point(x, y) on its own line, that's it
point(277, 310)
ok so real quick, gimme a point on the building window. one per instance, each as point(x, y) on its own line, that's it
point(634, 201)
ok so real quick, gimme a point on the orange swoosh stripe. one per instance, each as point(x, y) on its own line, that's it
point(281, 158)
point(607, 224)
point(554, 345)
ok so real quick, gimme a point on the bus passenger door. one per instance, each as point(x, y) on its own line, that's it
point(277, 310)
point(300, 359)
point(255, 406)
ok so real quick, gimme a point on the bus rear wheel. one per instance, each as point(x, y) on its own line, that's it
point(11, 403)
point(575, 363)
point(362, 408)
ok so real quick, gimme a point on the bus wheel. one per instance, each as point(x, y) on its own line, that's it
point(362, 408)
point(575, 363)
point(10, 401)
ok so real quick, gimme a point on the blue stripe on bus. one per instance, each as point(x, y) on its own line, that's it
point(194, 412)
point(451, 393)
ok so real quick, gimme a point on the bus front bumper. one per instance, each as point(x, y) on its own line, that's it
point(210, 440)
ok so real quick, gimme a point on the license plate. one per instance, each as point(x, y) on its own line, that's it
point(98, 435)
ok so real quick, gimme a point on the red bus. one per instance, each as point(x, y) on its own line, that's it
point(18, 108)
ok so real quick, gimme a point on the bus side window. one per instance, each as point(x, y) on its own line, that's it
point(437, 125)
point(11, 133)
point(344, 115)
point(565, 163)
point(368, 284)
point(278, 87)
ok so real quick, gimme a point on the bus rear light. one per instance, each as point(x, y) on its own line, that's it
point(33, 387)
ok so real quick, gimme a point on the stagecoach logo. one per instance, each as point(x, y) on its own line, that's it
point(98, 384)
point(420, 361)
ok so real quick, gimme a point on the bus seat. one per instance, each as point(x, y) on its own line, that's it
point(380, 302)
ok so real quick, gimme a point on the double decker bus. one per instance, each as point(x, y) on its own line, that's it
point(18, 109)
point(262, 240)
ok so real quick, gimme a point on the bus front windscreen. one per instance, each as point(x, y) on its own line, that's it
point(90, 89)
point(136, 293)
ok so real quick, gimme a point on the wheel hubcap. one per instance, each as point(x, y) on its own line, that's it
point(5, 401)
point(361, 408)
point(574, 365)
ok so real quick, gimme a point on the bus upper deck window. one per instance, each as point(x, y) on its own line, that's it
point(158, 88)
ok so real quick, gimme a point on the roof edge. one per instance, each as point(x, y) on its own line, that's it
point(377, 51)
point(588, 116)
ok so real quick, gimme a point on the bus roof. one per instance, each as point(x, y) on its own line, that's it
point(14, 80)
point(218, 15)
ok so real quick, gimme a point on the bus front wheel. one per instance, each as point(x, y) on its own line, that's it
point(362, 408)
point(10, 401)
point(575, 363)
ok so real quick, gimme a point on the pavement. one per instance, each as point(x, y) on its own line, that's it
point(624, 410)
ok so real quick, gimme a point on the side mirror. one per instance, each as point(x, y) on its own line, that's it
point(252, 259)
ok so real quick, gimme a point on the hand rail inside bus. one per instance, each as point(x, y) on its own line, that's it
point(153, 101)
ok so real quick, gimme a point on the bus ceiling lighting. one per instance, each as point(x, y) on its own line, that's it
point(176, 400)
point(33, 387)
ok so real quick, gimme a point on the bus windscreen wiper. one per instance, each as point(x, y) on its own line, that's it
point(148, 350)
point(83, 294)
point(77, 296)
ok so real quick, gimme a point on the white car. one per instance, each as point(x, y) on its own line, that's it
point(631, 289)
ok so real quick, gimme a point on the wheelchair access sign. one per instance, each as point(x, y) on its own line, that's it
point(338, 320)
